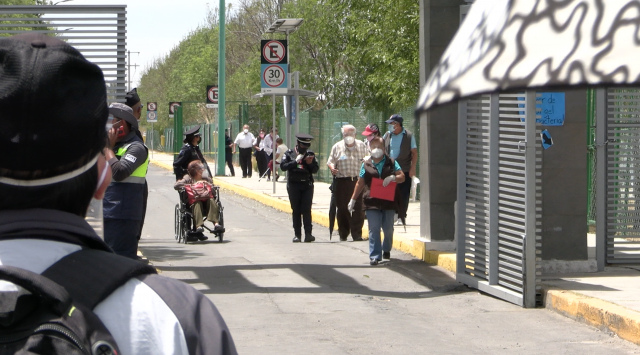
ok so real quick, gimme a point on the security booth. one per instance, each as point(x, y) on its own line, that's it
point(521, 171)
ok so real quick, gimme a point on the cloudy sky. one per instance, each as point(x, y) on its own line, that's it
point(154, 27)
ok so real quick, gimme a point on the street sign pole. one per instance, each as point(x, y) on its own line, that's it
point(221, 90)
point(273, 145)
point(153, 140)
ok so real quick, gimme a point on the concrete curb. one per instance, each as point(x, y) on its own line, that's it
point(601, 314)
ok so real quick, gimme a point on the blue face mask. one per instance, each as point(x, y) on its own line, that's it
point(392, 128)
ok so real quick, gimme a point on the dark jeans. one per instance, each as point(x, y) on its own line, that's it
point(145, 196)
point(348, 222)
point(245, 161)
point(301, 198)
point(261, 159)
point(405, 191)
point(121, 236)
point(229, 158)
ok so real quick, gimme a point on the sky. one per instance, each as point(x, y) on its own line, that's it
point(154, 27)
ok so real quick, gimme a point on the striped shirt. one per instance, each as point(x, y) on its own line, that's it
point(347, 161)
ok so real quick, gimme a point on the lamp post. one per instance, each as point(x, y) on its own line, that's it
point(221, 92)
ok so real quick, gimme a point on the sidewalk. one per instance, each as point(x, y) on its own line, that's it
point(608, 300)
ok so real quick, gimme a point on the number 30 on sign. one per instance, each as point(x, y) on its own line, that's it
point(274, 76)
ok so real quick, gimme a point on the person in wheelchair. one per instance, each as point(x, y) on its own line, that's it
point(200, 198)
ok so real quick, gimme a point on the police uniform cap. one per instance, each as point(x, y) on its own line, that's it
point(48, 93)
point(195, 131)
point(304, 138)
point(123, 112)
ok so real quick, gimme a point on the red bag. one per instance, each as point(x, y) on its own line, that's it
point(199, 191)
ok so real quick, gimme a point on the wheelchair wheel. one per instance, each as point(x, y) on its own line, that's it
point(176, 224)
point(221, 222)
point(186, 227)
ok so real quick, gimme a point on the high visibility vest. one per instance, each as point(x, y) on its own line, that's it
point(138, 176)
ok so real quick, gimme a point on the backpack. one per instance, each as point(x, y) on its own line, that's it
point(52, 313)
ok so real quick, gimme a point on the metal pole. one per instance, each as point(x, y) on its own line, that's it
point(221, 90)
point(529, 240)
point(289, 108)
point(129, 70)
point(153, 142)
point(460, 218)
point(494, 188)
point(601, 178)
point(273, 143)
point(297, 96)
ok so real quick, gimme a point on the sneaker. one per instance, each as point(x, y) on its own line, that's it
point(296, 239)
point(386, 255)
point(199, 230)
point(309, 239)
point(357, 239)
point(373, 262)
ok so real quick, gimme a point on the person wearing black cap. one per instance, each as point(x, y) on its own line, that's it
point(133, 100)
point(44, 197)
point(401, 145)
point(189, 152)
point(123, 203)
point(301, 163)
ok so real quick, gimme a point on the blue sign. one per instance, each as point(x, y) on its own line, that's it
point(547, 141)
point(550, 106)
point(274, 78)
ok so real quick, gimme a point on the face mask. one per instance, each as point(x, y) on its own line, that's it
point(245, 131)
point(377, 153)
point(349, 140)
point(392, 128)
point(369, 137)
point(261, 135)
point(302, 150)
point(205, 173)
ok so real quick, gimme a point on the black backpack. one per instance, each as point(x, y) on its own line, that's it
point(52, 313)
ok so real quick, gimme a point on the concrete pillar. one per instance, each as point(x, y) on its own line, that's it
point(564, 191)
point(440, 20)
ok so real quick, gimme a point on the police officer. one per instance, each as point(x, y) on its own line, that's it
point(189, 152)
point(301, 164)
point(124, 199)
point(133, 100)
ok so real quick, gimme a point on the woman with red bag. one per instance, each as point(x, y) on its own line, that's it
point(200, 192)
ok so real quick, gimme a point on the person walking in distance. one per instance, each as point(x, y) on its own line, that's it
point(268, 147)
point(301, 164)
point(228, 151)
point(244, 143)
point(370, 132)
point(401, 145)
point(344, 162)
point(261, 159)
point(280, 150)
point(379, 211)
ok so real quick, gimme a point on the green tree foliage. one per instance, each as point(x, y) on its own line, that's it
point(355, 52)
point(24, 24)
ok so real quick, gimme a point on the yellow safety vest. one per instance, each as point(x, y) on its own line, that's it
point(138, 176)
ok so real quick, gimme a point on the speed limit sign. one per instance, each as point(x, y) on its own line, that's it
point(274, 78)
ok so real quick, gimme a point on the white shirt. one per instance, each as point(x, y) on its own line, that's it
point(268, 143)
point(280, 153)
point(244, 140)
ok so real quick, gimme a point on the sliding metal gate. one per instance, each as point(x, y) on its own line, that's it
point(618, 176)
point(98, 32)
point(498, 199)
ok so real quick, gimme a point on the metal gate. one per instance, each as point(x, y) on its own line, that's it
point(499, 201)
point(98, 32)
point(618, 161)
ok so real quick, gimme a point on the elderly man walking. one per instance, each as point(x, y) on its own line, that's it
point(344, 162)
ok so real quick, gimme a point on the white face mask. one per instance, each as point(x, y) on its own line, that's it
point(205, 173)
point(245, 131)
point(349, 140)
point(377, 153)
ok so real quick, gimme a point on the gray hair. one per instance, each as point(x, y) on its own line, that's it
point(347, 128)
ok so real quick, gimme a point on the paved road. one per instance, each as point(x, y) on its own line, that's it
point(323, 298)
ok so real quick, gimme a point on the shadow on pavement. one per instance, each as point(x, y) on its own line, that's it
point(231, 279)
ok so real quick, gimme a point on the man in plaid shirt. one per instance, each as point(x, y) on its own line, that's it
point(344, 162)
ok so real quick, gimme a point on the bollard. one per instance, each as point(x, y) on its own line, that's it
point(162, 140)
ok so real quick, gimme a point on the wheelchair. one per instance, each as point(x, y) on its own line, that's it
point(184, 225)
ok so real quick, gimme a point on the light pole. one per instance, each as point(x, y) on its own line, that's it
point(221, 91)
point(129, 68)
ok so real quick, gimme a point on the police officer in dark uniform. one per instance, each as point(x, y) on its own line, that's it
point(133, 100)
point(301, 163)
point(189, 152)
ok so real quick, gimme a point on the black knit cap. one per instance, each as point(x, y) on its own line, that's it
point(51, 97)
point(132, 97)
